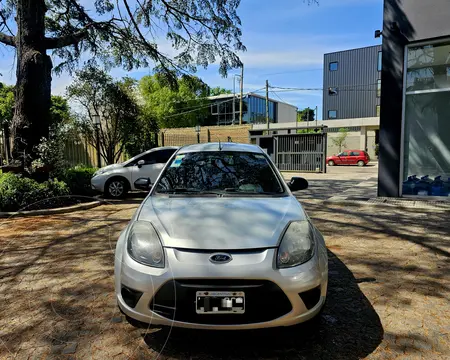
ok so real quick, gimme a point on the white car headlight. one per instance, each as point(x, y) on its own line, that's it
point(144, 245)
point(99, 172)
point(297, 245)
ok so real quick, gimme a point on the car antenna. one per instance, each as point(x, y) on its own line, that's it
point(220, 144)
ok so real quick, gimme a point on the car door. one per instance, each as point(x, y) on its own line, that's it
point(154, 162)
point(342, 158)
point(354, 157)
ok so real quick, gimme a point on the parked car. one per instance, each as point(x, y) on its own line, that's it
point(220, 242)
point(349, 157)
point(116, 180)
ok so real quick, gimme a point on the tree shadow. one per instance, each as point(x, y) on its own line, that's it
point(348, 328)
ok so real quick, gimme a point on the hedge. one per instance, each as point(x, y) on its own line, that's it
point(21, 193)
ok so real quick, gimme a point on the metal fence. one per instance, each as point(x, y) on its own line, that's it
point(301, 152)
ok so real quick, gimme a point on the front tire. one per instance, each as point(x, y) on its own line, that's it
point(361, 163)
point(116, 188)
point(331, 163)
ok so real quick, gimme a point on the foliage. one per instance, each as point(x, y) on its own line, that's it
point(50, 152)
point(181, 106)
point(6, 103)
point(78, 179)
point(21, 193)
point(218, 91)
point(377, 149)
point(124, 33)
point(339, 140)
point(302, 115)
point(99, 94)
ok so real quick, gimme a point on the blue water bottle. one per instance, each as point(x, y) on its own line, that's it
point(437, 187)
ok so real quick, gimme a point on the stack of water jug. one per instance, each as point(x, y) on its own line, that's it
point(425, 186)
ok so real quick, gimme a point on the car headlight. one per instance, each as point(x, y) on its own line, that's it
point(99, 172)
point(297, 245)
point(144, 245)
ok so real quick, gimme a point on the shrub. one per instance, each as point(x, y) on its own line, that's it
point(78, 179)
point(21, 193)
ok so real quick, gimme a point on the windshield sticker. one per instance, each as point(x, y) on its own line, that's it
point(259, 156)
point(177, 161)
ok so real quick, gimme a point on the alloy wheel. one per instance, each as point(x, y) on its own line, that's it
point(116, 188)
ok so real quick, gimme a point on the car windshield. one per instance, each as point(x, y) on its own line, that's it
point(219, 172)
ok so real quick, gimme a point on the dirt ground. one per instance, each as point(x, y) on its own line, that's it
point(388, 293)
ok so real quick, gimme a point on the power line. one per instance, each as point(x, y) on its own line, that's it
point(291, 72)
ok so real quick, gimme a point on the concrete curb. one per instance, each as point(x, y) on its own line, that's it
point(374, 203)
point(63, 210)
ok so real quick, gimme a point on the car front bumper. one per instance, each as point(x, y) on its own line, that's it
point(192, 271)
point(98, 183)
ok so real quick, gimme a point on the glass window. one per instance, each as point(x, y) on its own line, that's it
point(149, 158)
point(380, 60)
point(230, 172)
point(355, 153)
point(344, 153)
point(332, 114)
point(334, 66)
point(378, 110)
point(162, 156)
point(332, 91)
point(426, 147)
point(378, 88)
point(428, 68)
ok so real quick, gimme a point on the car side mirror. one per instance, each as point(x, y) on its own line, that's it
point(140, 163)
point(143, 184)
point(297, 184)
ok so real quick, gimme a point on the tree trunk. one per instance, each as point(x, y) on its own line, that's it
point(33, 87)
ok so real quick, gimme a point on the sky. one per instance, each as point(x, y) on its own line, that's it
point(285, 40)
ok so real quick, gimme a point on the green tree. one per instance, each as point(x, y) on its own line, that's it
point(118, 33)
point(340, 139)
point(99, 94)
point(302, 115)
point(218, 91)
point(184, 105)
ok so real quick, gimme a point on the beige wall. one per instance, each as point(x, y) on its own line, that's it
point(353, 142)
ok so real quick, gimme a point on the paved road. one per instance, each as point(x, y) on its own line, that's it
point(388, 293)
point(346, 182)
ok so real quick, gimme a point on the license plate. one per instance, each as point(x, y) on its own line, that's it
point(220, 302)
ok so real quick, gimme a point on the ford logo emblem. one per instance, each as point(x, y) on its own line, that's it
point(220, 258)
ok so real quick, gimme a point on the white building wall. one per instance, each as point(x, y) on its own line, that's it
point(286, 113)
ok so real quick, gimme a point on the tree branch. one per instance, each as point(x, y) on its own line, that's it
point(66, 40)
point(7, 39)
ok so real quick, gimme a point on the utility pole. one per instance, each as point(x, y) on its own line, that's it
point(307, 119)
point(234, 100)
point(241, 105)
point(316, 115)
point(267, 103)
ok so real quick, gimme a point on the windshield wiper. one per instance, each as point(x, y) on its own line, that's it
point(243, 192)
point(187, 191)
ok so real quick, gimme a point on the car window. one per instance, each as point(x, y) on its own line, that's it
point(149, 158)
point(163, 156)
point(343, 153)
point(220, 171)
point(355, 153)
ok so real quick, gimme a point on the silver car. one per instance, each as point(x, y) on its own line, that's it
point(220, 242)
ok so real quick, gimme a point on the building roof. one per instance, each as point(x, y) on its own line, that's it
point(237, 95)
point(223, 146)
point(355, 49)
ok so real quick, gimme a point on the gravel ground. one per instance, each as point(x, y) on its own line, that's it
point(388, 292)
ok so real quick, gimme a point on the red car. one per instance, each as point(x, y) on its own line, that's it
point(349, 157)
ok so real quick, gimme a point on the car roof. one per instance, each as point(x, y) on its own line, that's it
point(221, 146)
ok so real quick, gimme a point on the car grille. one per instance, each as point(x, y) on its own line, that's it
point(264, 301)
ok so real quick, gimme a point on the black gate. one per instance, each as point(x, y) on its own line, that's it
point(301, 152)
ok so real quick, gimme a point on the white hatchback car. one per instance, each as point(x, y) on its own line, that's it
point(116, 180)
point(220, 242)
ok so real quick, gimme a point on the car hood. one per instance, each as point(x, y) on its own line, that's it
point(222, 223)
point(110, 167)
